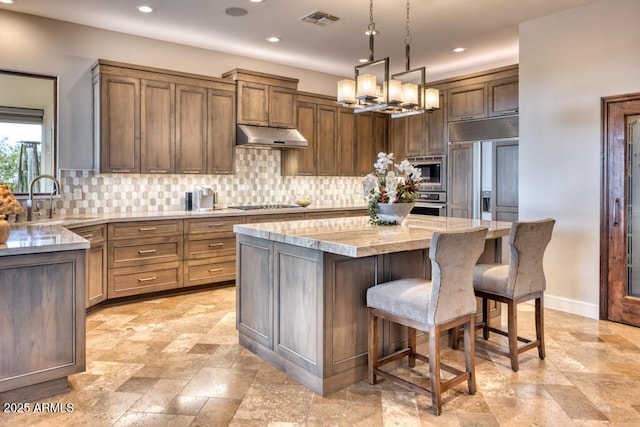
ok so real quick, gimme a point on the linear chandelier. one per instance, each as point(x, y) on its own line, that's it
point(372, 90)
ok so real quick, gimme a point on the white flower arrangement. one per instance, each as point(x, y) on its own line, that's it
point(385, 186)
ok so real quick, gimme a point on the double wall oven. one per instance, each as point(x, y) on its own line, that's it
point(432, 191)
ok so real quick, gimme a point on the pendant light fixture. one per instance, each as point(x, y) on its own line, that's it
point(403, 95)
point(371, 89)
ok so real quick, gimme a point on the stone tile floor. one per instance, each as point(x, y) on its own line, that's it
point(175, 361)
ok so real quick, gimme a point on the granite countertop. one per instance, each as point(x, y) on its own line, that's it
point(355, 237)
point(53, 235)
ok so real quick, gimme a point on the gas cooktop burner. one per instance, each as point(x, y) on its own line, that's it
point(252, 207)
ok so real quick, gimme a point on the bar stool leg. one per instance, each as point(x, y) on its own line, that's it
point(412, 346)
point(469, 353)
point(540, 326)
point(434, 370)
point(512, 328)
point(373, 346)
point(485, 318)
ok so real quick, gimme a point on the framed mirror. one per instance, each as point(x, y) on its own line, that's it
point(28, 130)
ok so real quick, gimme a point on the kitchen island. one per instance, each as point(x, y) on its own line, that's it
point(301, 289)
point(42, 294)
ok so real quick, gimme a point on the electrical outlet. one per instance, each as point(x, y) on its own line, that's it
point(77, 194)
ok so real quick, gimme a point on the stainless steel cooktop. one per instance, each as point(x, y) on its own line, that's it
point(253, 207)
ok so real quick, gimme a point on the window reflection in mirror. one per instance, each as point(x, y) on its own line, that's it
point(28, 117)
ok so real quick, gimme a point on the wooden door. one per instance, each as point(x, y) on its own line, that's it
point(365, 158)
point(437, 128)
point(416, 143)
point(503, 97)
point(302, 161)
point(397, 137)
point(157, 127)
point(96, 274)
point(467, 102)
point(221, 131)
point(191, 129)
point(619, 250)
point(282, 107)
point(253, 104)
point(460, 180)
point(504, 203)
point(327, 137)
point(345, 160)
point(120, 124)
point(379, 135)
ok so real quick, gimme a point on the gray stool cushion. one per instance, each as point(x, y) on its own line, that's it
point(408, 298)
point(491, 278)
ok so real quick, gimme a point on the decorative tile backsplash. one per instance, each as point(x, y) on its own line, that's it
point(257, 181)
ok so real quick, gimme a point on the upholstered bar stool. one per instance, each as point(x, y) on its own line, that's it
point(520, 280)
point(445, 302)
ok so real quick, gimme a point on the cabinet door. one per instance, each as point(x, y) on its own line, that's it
point(503, 97)
point(302, 161)
point(467, 102)
point(505, 181)
point(379, 135)
point(157, 122)
point(282, 107)
point(96, 274)
point(191, 129)
point(438, 136)
point(416, 143)
point(460, 181)
point(119, 124)
point(345, 161)
point(365, 158)
point(221, 131)
point(253, 105)
point(398, 137)
point(326, 137)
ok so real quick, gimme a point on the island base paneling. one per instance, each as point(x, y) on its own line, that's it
point(304, 310)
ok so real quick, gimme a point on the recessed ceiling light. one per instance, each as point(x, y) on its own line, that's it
point(146, 9)
point(256, 1)
point(459, 49)
point(363, 60)
point(274, 39)
point(8, 1)
point(235, 11)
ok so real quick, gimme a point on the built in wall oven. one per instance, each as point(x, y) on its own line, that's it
point(431, 203)
point(433, 170)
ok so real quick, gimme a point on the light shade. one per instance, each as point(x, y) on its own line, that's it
point(395, 91)
point(431, 99)
point(367, 86)
point(410, 96)
point(347, 91)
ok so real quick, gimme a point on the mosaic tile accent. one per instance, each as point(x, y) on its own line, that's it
point(257, 181)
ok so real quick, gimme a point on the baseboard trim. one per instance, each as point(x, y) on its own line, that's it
point(567, 305)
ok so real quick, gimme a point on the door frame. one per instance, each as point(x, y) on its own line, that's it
point(609, 210)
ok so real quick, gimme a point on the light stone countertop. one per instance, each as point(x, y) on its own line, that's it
point(355, 237)
point(53, 235)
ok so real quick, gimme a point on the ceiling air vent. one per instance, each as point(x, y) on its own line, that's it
point(319, 18)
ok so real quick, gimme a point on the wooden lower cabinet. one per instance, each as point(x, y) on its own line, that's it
point(127, 281)
point(42, 338)
point(96, 289)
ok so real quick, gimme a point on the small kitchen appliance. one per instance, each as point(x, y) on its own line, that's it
point(204, 198)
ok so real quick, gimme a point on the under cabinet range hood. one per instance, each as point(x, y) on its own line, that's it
point(267, 137)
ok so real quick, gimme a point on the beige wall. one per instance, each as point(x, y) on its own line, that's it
point(38, 45)
point(568, 61)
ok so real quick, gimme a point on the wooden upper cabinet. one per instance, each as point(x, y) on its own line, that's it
point(282, 107)
point(503, 97)
point(191, 129)
point(437, 129)
point(119, 108)
point(327, 138)
point(221, 131)
point(253, 103)
point(157, 133)
point(301, 161)
point(398, 137)
point(345, 158)
point(365, 157)
point(416, 136)
point(467, 102)
point(379, 135)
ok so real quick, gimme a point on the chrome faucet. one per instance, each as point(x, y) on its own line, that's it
point(56, 188)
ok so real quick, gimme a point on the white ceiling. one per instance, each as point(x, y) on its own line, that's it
point(488, 29)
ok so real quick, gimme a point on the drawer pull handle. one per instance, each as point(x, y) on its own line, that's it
point(146, 279)
point(214, 270)
point(86, 236)
point(190, 171)
point(213, 245)
point(148, 251)
point(146, 228)
point(216, 224)
point(157, 171)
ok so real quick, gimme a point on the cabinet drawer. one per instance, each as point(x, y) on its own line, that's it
point(208, 248)
point(140, 280)
point(126, 253)
point(275, 218)
point(203, 271)
point(211, 225)
point(128, 230)
point(93, 233)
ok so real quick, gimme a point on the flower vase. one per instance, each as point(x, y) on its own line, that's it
point(395, 213)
